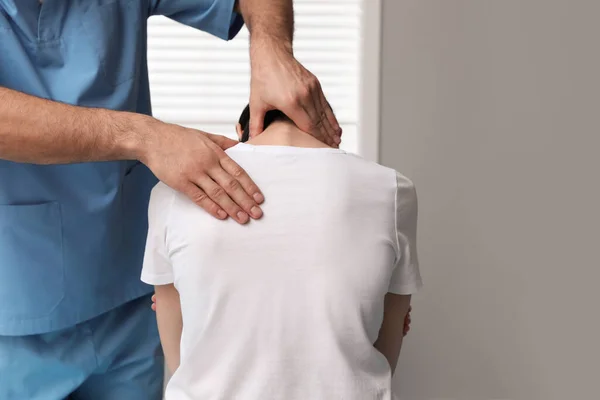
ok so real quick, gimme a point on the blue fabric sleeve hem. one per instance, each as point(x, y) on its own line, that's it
point(216, 17)
point(235, 21)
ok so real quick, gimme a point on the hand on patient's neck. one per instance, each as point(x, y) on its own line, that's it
point(285, 133)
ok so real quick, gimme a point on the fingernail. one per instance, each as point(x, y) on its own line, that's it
point(259, 198)
point(222, 214)
point(256, 212)
point(242, 217)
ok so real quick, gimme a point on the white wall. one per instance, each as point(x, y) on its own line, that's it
point(493, 108)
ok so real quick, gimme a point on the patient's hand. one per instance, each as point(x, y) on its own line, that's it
point(153, 306)
point(407, 321)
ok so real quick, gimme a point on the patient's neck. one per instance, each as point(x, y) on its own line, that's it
point(284, 133)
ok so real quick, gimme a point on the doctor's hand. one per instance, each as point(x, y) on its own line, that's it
point(194, 163)
point(279, 81)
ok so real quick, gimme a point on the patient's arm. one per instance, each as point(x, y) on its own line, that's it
point(391, 333)
point(170, 323)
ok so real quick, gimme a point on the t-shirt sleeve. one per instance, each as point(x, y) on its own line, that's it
point(216, 17)
point(157, 268)
point(406, 278)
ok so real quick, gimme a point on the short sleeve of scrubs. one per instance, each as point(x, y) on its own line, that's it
point(157, 269)
point(406, 278)
point(216, 17)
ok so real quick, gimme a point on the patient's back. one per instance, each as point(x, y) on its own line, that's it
point(288, 307)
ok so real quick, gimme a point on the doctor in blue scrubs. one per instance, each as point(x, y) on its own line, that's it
point(79, 154)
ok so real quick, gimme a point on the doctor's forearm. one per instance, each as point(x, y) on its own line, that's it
point(39, 131)
point(270, 22)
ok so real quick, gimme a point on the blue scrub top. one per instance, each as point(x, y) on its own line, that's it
point(72, 236)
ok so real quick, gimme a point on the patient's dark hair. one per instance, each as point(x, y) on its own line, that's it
point(270, 117)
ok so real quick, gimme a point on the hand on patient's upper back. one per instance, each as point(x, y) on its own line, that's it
point(194, 163)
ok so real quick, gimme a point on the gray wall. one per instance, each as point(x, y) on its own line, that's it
point(493, 108)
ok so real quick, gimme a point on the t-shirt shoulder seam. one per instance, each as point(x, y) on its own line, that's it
point(371, 162)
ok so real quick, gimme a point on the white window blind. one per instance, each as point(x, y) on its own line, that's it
point(202, 82)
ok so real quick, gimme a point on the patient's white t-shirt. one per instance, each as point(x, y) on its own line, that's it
point(287, 307)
